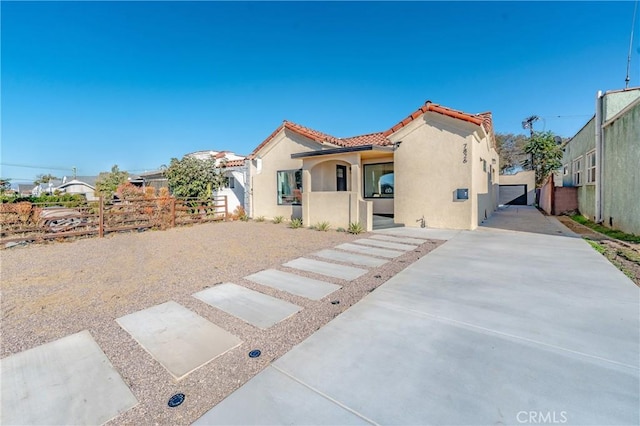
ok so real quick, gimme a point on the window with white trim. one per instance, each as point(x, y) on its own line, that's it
point(577, 171)
point(591, 167)
point(565, 170)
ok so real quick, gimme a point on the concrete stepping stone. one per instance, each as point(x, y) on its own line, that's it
point(325, 268)
point(256, 308)
point(385, 244)
point(177, 338)
point(373, 251)
point(294, 284)
point(67, 381)
point(356, 259)
point(394, 239)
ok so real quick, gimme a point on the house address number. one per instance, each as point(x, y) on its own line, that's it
point(464, 153)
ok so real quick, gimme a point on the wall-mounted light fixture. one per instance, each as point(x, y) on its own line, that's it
point(396, 145)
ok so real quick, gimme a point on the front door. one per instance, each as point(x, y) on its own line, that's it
point(341, 178)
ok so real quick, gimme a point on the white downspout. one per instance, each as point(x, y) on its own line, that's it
point(599, 151)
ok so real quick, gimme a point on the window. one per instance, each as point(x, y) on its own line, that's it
point(378, 180)
point(484, 165)
point(229, 182)
point(565, 170)
point(577, 171)
point(591, 167)
point(289, 187)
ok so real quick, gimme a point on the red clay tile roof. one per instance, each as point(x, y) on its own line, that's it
point(477, 119)
point(323, 138)
point(381, 138)
point(234, 163)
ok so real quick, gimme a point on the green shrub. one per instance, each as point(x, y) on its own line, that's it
point(295, 223)
point(278, 219)
point(323, 226)
point(355, 228)
point(260, 219)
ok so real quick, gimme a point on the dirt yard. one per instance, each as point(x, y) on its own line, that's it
point(53, 290)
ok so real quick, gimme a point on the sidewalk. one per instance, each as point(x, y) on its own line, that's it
point(517, 322)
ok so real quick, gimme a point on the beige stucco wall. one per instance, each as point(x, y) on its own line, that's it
point(484, 182)
point(522, 178)
point(276, 156)
point(429, 167)
point(323, 203)
point(439, 155)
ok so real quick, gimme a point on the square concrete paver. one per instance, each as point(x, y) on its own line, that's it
point(325, 268)
point(385, 244)
point(251, 306)
point(394, 239)
point(373, 251)
point(178, 338)
point(294, 284)
point(67, 381)
point(356, 259)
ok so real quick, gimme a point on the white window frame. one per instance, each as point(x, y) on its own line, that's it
point(565, 170)
point(576, 169)
point(591, 167)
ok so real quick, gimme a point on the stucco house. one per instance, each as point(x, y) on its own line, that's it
point(602, 160)
point(437, 168)
point(235, 172)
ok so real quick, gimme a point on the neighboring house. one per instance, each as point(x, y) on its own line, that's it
point(154, 179)
point(26, 189)
point(602, 160)
point(437, 168)
point(76, 186)
point(235, 172)
point(234, 189)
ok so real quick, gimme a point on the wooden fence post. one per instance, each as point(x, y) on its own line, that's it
point(101, 218)
point(173, 212)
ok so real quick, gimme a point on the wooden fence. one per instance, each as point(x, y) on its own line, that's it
point(37, 222)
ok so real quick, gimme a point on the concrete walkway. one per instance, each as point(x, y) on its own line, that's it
point(518, 322)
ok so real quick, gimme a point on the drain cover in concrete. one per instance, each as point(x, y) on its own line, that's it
point(177, 338)
point(251, 306)
point(356, 259)
point(385, 244)
point(294, 284)
point(326, 268)
point(394, 239)
point(373, 251)
point(67, 381)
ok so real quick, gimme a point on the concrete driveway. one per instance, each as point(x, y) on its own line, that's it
point(518, 322)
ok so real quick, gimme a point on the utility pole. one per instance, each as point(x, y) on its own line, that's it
point(527, 123)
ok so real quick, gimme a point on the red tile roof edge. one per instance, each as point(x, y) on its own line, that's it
point(483, 119)
point(234, 163)
point(431, 107)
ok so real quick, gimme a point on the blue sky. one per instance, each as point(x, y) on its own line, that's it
point(93, 84)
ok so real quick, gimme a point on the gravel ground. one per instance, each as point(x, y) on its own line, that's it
point(52, 290)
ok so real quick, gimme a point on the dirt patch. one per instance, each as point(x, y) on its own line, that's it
point(52, 290)
point(623, 255)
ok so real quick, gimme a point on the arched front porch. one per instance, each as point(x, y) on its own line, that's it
point(335, 182)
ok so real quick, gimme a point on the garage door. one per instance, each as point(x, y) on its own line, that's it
point(513, 194)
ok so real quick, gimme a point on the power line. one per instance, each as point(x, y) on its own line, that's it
point(36, 167)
